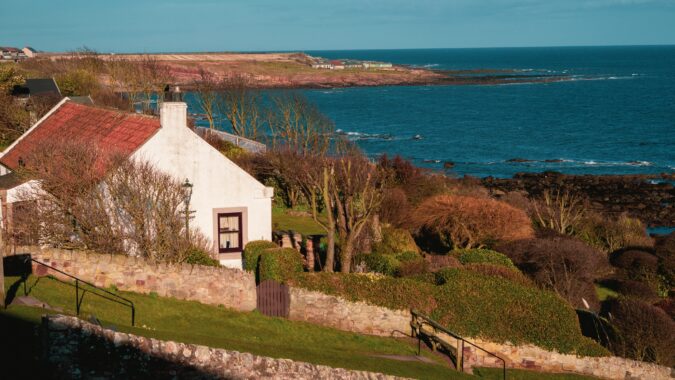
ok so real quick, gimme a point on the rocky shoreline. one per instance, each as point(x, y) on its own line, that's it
point(651, 198)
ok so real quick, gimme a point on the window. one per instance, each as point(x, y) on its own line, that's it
point(229, 232)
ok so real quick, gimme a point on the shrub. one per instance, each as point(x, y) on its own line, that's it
point(408, 257)
point(645, 332)
point(470, 222)
point(394, 241)
point(438, 262)
point(563, 264)
point(252, 252)
point(412, 268)
point(471, 304)
point(279, 264)
point(636, 289)
point(468, 256)
point(395, 208)
point(375, 262)
point(197, 256)
point(609, 234)
point(511, 274)
point(665, 251)
point(634, 260)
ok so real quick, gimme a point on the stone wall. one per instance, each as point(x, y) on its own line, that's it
point(75, 349)
point(534, 358)
point(363, 318)
point(232, 288)
point(358, 317)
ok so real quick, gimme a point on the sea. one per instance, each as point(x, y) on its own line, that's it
point(614, 112)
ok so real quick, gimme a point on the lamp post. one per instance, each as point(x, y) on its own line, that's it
point(187, 196)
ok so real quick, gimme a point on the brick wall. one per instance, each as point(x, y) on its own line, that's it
point(210, 285)
point(75, 349)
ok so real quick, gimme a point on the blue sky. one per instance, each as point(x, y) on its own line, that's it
point(253, 25)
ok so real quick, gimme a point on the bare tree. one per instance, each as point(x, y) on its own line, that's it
point(89, 198)
point(240, 104)
point(356, 194)
point(558, 211)
point(299, 125)
point(208, 95)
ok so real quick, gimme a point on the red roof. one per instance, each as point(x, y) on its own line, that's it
point(109, 129)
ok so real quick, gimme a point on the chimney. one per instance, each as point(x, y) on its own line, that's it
point(173, 115)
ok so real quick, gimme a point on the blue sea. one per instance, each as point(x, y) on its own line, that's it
point(614, 115)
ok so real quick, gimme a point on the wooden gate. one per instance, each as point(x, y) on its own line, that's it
point(273, 299)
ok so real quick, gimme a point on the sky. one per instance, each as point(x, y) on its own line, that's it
point(298, 25)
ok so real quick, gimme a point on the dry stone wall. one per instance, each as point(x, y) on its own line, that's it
point(229, 287)
point(76, 349)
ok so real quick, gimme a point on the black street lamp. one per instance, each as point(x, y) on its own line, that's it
point(187, 196)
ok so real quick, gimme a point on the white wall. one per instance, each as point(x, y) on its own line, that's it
point(218, 182)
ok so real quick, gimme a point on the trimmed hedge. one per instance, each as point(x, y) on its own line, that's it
point(385, 264)
point(279, 264)
point(252, 253)
point(493, 270)
point(471, 304)
point(483, 256)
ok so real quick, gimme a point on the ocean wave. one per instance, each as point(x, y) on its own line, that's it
point(365, 136)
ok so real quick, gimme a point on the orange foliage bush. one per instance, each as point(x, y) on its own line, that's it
point(470, 222)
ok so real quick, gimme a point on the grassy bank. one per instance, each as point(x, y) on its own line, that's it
point(192, 322)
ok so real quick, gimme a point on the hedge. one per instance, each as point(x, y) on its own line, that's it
point(471, 304)
point(198, 257)
point(385, 264)
point(484, 256)
point(252, 253)
point(395, 241)
point(279, 264)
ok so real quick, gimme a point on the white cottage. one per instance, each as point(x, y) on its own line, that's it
point(230, 206)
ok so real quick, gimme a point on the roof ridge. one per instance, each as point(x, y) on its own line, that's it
point(111, 109)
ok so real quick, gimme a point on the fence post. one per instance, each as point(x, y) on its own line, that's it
point(2, 276)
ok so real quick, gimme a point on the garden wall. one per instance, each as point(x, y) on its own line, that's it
point(232, 288)
point(363, 318)
point(75, 349)
point(358, 317)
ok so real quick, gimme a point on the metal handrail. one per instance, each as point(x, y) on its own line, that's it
point(78, 300)
point(437, 326)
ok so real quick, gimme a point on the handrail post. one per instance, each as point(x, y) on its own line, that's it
point(77, 296)
point(133, 314)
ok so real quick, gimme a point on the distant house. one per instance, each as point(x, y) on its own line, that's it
point(30, 52)
point(230, 206)
point(322, 65)
point(337, 65)
point(11, 53)
point(351, 64)
point(377, 65)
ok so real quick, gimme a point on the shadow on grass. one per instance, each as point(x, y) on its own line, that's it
point(20, 349)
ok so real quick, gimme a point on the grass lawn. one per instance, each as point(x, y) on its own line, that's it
point(192, 322)
point(604, 292)
point(305, 225)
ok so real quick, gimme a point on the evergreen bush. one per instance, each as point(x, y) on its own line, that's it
point(252, 253)
point(279, 264)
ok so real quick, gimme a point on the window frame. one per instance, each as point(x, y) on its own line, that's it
point(240, 217)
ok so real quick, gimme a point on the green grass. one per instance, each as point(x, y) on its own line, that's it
point(305, 225)
point(192, 322)
point(605, 292)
